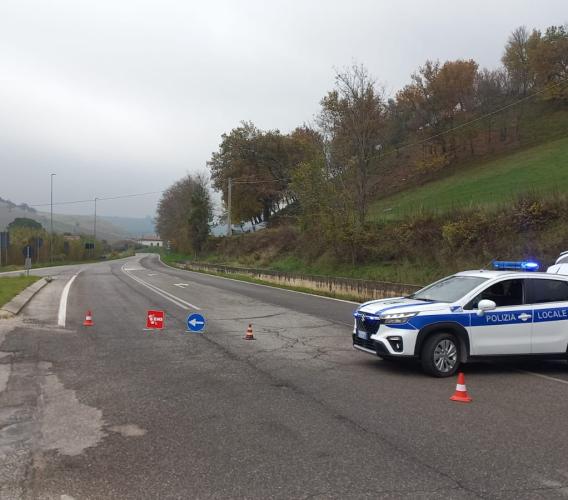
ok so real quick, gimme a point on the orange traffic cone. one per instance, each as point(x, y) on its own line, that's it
point(249, 335)
point(88, 319)
point(461, 392)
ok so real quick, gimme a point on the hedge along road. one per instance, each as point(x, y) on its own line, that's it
point(295, 413)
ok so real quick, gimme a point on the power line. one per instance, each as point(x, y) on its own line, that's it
point(131, 195)
point(236, 181)
point(479, 118)
point(91, 200)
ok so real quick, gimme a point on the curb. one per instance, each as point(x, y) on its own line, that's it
point(14, 307)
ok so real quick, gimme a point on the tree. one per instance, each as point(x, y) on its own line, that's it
point(353, 121)
point(517, 59)
point(438, 97)
point(259, 163)
point(24, 222)
point(183, 213)
point(491, 92)
point(549, 62)
point(200, 215)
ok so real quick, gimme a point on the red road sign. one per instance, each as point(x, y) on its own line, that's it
point(155, 319)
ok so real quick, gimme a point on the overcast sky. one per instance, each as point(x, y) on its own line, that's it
point(127, 96)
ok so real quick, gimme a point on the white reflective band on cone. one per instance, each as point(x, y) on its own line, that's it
point(461, 388)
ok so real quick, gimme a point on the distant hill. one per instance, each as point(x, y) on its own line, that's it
point(132, 225)
point(108, 228)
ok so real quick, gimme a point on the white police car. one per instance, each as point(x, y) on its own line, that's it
point(512, 310)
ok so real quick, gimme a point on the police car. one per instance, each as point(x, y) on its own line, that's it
point(511, 310)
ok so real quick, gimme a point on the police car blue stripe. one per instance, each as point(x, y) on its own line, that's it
point(552, 314)
point(422, 321)
point(493, 318)
point(511, 317)
point(490, 318)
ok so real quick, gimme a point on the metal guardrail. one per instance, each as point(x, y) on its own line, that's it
point(362, 289)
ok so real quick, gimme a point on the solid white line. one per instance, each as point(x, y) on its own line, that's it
point(62, 315)
point(161, 293)
point(258, 284)
point(546, 377)
point(166, 295)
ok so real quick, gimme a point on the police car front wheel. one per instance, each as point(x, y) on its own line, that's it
point(440, 355)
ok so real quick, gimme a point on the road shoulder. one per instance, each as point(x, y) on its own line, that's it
point(14, 307)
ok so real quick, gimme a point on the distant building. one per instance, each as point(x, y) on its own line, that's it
point(150, 241)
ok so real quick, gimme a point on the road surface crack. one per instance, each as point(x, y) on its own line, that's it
point(404, 454)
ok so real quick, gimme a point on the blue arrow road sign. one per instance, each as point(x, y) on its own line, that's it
point(195, 322)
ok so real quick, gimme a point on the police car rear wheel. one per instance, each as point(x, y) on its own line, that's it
point(440, 355)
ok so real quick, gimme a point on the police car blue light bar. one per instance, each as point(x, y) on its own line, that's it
point(522, 265)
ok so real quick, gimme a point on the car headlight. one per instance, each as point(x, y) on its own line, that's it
point(397, 318)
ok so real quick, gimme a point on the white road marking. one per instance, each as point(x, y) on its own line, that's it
point(62, 315)
point(181, 285)
point(258, 284)
point(545, 377)
point(166, 295)
point(152, 274)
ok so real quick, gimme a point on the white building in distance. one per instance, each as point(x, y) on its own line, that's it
point(150, 241)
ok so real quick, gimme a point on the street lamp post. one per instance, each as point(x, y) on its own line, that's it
point(95, 228)
point(229, 196)
point(51, 223)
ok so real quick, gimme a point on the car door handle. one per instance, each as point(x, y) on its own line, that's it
point(525, 316)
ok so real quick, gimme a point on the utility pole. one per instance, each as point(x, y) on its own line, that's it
point(229, 195)
point(51, 224)
point(95, 228)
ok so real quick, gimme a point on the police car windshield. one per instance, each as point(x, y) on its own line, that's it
point(449, 289)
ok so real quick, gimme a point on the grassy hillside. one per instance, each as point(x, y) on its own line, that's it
point(541, 169)
point(513, 206)
point(510, 202)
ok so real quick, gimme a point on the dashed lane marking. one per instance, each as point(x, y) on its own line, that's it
point(166, 295)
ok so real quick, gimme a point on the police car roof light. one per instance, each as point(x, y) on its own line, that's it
point(523, 265)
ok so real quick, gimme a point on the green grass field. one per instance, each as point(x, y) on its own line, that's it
point(541, 169)
point(13, 285)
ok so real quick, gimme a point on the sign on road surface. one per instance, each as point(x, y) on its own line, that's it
point(195, 322)
point(155, 319)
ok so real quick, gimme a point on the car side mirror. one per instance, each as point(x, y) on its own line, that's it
point(484, 306)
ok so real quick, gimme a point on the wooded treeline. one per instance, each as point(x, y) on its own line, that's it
point(45, 247)
point(363, 140)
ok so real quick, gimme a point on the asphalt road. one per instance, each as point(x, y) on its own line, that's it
point(116, 411)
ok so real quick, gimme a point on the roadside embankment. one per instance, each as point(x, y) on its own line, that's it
point(355, 289)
